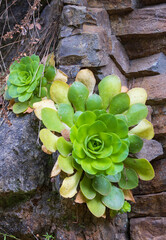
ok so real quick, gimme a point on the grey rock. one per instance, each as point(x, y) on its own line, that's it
point(151, 150)
point(22, 163)
point(76, 2)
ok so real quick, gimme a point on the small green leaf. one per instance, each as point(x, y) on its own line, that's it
point(65, 163)
point(33, 100)
point(144, 129)
point(115, 199)
point(136, 113)
point(20, 107)
point(136, 143)
point(114, 168)
point(119, 103)
point(78, 149)
point(114, 178)
point(101, 185)
point(86, 77)
point(96, 207)
point(66, 113)
point(51, 120)
point(50, 73)
point(78, 93)
point(108, 88)
point(59, 92)
point(86, 118)
point(142, 166)
point(24, 96)
point(122, 128)
point(109, 120)
point(102, 163)
point(93, 102)
point(64, 147)
point(97, 127)
point(48, 139)
point(73, 133)
point(121, 155)
point(76, 115)
point(86, 164)
point(82, 133)
point(129, 179)
point(86, 188)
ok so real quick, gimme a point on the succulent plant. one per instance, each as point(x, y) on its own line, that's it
point(99, 136)
point(28, 82)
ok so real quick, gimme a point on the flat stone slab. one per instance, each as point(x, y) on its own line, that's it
point(148, 228)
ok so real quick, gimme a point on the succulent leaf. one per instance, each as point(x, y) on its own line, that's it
point(136, 113)
point(93, 102)
point(137, 95)
point(69, 185)
point(144, 129)
point(96, 207)
point(59, 92)
point(86, 188)
point(142, 166)
point(136, 143)
point(38, 106)
point(65, 163)
point(115, 199)
point(78, 93)
point(64, 147)
point(51, 120)
point(101, 185)
point(116, 106)
point(86, 77)
point(48, 139)
point(129, 179)
point(108, 88)
point(66, 114)
point(20, 107)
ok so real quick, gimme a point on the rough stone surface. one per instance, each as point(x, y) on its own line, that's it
point(156, 185)
point(159, 120)
point(151, 150)
point(149, 205)
point(112, 6)
point(154, 85)
point(22, 163)
point(149, 228)
point(150, 20)
point(151, 65)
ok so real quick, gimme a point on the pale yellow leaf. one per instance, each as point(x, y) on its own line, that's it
point(56, 170)
point(38, 106)
point(137, 95)
point(61, 76)
point(144, 129)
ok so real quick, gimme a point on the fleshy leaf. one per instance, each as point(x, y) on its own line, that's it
point(137, 95)
point(33, 100)
point(142, 166)
point(121, 155)
point(93, 102)
point(86, 118)
point(69, 185)
point(20, 107)
point(122, 128)
point(114, 168)
point(76, 115)
point(59, 92)
point(86, 77)
point(144, 129)
point(78, 93)
point(73, 133)
point(56, 170)
point(60, 76)
point(48, 139)
point(108, 88)
point(38, 106)
point(96, 207)
point(66, 113)
point(65, 163)
point(109, 120)
point(114, 178)
point(51, 120)
point(86, 188)
point(115, 199)
point(102, 163)
point(136, 113)
point(119, 103)
point(80, 198)
point(64, 147)
point(101, 185)
point(136, 143)
point(129, 179)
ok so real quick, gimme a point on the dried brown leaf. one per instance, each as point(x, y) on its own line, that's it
point(44, 149)
point(66, 134)
point(11, 103)
point(124, 89)
point(29, 110)
point(128, 195)
point(80, 198)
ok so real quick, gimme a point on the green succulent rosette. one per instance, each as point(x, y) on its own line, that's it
point(100, 135)
point(28, 82)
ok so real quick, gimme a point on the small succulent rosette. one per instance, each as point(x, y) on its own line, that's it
point(29, 81)
point(100, 133)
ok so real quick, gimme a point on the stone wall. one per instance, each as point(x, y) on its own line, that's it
point(127, 38)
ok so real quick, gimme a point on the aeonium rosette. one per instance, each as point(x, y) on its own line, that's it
point(100, 135)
